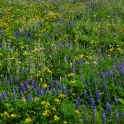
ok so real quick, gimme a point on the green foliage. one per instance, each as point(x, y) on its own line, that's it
point(57, 55)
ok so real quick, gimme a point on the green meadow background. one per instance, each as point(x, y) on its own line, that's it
point(61, 61)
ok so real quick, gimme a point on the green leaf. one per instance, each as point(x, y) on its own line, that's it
point(121, 100)
point(7, 105)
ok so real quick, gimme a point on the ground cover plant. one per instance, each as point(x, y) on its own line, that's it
point(61, 62)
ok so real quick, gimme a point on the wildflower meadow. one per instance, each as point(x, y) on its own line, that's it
point(61, 61)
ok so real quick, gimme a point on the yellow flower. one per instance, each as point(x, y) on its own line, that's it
point(13, 115)
point(25, 53)
point(56, 118)
point(73, 81)
point(28, 120)
point(22, 47)
point(76, 57)
point(71, 74)
point(111, 49)
point(6, 113)
point(47, 104)
point(33, 51)
point(36, 99)
point(71, 64)
point(41, 79)
point(65, 122)
point(120, 50)
point(11, 58)
point(23, 99)
point(81, 56)
point(77, 111)
point(1, 54)
point(48, 70)
point(62, 95)
point(45, 85)
point(57, 100)
point(54, 109)
point(46, 113)
point(43, 102)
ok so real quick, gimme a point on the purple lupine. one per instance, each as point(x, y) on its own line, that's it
point(54, 91)
point(11, 81)
point(22, 87)
point(27, 70)
point(94, 112)
point(98, 95)
point(73, 67)
point(65, 59)
point(116, 115)
point(15, 98)
point(78, 101)
point(47, 91)
point(38, 91)
point(71, 92)
point(90, 92)
point(59, 44)
point(1, 97)
point(17, 89)
point(33, 84)
point(104, 84)
point(122, 114)
point(76, 105)
point(14, 91)
point(108, 107)
point(26, 85)
point(5, 80)
point(30, 98)
point(103, 117)
point(115, 67)
point(92, 102)
point(80, 62)
point(22, 94)
point(95, 81)
point(40, 24)
point(51, 83)
point(84, 108)
point(84, 81)
point(115, 100)
point(89, 120)
point(99, 50)
point(119, 83)
point(23, 33)
point(64, 90)
point(67, 44)
point(85, 94)
point(115, 59)
point(111, 74)
point(121, 72)
point(88, 83)
point(104, 55)
point(16, 79)
point(81, 79)
point(80, 72)
point(42, 90)
point(122, 65)
point(83, 116)
point(58, 84)
point(17, 34)
point(4, 95)
point(26, 34)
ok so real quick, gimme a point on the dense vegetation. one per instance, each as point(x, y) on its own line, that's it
point(61, 61)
